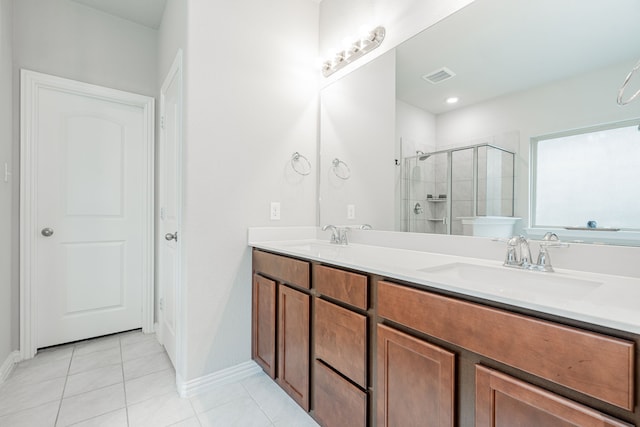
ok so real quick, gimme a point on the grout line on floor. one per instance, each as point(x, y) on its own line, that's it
point(124, 384)
point(64, 387)
point(195, 413)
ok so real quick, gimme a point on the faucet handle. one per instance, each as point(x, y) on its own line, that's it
point(551, 240)
point(512, 253)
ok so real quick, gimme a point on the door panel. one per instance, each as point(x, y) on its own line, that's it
point(92, 286)
point(94, 167)
point(170, 171)
point(91, 192)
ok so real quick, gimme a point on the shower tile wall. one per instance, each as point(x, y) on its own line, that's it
point(425, 177)
point(461, 188)
point(495, 182)
point(438, 207)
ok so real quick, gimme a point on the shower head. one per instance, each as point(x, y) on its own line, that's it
point(422, 155)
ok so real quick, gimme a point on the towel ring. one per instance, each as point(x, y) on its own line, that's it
point(340, 169)
point(298, 159)
point(624, 86)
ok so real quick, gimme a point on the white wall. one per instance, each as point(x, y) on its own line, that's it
point(172, 35)
point(416, 127)
point(67, 39)
point(7, 322)
point(70, 40)
point(358, 127)
point(343, 20)
point(252, 101)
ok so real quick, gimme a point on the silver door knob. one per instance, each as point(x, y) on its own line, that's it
point(171, 236)
point(47, 232)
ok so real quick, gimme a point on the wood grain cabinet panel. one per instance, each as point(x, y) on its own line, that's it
point(283, 269)
point(337, 403)
point(504, 401)
point(263, 346)
point(593, 364)
point(341, 340)
point(293, 344)
point(350, 288)
point(416, 380)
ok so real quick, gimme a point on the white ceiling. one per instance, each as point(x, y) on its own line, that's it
point(497, 47)
point(144, 12)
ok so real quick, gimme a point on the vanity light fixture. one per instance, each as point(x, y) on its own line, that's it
point(356, 50)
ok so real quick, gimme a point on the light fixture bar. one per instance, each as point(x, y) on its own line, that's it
point(358, 49)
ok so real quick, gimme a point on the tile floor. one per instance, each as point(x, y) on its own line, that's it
point(127, 380)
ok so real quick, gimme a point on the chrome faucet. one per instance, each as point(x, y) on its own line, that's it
point(335, 234)
point(519, 253)
point(338, 234)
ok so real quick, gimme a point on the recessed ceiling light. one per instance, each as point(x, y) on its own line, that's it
point(452, 100)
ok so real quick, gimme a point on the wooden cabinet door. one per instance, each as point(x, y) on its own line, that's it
point(504, 401)
point(415, 384)
point(263, 342)
point(293, 344)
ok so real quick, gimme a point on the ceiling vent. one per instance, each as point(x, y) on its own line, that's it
point(439, 75)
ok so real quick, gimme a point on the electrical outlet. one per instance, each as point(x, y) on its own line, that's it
point(351, 211)
point(275, 210)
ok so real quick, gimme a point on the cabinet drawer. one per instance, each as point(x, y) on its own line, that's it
point(590, 363)
point(337, 402)
point(350, 288)
point(284, 269)
point(504, 401)
point(340, 340)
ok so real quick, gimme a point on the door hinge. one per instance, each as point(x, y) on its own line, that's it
point(7, 174)
point(161, 303)
point(162, 213)
point(162, 122)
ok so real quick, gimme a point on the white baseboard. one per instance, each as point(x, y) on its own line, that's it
point(7, 367)
point(225, 376)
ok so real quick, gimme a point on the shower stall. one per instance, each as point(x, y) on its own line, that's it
point(442, 190)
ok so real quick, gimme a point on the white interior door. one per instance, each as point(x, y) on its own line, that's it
point(88, 167)
point(170, 201)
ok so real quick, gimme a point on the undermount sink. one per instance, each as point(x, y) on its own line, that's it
point(313, 246)
point(512, 283)
point(319, 249)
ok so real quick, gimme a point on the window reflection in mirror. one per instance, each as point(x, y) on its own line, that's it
point(587, 178)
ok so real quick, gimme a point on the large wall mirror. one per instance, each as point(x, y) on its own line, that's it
point(520, 70)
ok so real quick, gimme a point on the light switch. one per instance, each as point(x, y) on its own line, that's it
point(275, 211)
point(351, 211)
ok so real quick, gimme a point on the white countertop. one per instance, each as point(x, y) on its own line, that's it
point(601, 299)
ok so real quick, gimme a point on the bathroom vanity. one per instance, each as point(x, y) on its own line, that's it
point(359, 336)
